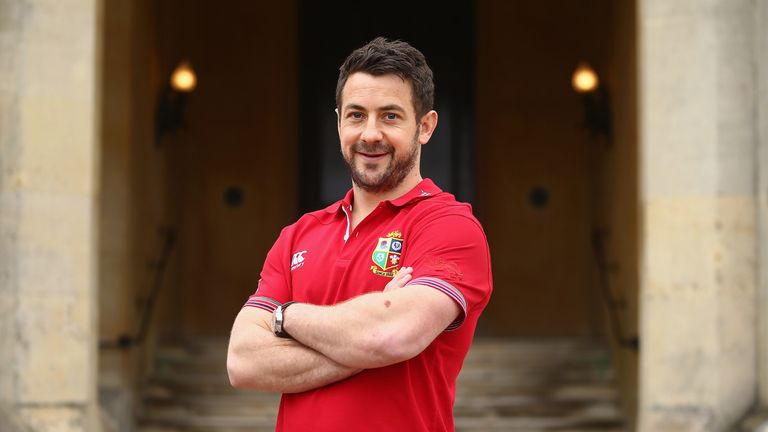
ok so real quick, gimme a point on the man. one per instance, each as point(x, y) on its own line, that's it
point(365, 310)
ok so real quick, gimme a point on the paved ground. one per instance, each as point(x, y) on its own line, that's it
point(505, 385)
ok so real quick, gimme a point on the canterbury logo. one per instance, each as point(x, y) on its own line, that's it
point(297, 260)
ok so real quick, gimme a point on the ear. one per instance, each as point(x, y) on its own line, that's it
point(427, 126)
point(338, 120)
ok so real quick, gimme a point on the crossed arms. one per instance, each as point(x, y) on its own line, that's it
point(331, 343)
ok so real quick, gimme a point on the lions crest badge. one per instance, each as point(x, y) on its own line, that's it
point(386, 254)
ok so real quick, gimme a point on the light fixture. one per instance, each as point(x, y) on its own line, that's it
point(584, 78)
point(595, 100)
point(169, 116)
point(183, 78)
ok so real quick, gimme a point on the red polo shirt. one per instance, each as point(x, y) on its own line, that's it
point(319, 260)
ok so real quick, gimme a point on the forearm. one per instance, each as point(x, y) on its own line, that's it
point(259, 360)
point(337, 331)
point(373, 330)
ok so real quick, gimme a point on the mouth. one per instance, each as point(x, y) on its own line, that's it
point(372, 157)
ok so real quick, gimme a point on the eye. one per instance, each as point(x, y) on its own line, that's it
point(391, 116)
point(355, 115)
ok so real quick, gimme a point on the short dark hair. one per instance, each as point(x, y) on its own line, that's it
point(383, 57)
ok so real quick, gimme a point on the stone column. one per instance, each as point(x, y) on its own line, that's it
point(48, 159)
point(762, 193)
point(698, 247)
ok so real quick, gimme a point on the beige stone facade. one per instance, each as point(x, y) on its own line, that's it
point(761, 50)
point(87, 194)
point(49, 119)
point(699, 68)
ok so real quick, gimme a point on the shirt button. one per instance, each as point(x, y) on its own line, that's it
point(357, 234)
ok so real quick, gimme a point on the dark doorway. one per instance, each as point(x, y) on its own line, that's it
point(329, 31)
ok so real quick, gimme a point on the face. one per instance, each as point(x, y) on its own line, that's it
point(379, 133)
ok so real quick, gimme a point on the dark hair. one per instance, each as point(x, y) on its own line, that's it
point(383, 57)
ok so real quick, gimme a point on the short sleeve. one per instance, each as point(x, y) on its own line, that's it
point(450, 253)
point(274, 288)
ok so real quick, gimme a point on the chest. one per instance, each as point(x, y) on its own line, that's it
point(327, 269)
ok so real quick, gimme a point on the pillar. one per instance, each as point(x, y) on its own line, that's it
point(762, 193)
point(698, 208)
point(48, 158)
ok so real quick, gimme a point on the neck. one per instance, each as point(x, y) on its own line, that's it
point(365, 201)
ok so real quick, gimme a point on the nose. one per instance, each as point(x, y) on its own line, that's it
point(371, 133)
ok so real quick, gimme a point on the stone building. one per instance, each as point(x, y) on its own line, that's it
point(650, 234)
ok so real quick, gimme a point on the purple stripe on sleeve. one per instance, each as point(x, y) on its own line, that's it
point(448, 290)
point(260, 302)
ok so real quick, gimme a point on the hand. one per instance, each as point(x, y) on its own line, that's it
point(401, 278)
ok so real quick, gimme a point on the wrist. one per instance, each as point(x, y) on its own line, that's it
point(285, 321)
point(278, 321)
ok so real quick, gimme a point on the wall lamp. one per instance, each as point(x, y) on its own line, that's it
point(595, 100)
point(169, 116)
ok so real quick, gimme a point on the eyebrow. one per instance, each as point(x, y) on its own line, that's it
point(355, 107)
point(390, 107)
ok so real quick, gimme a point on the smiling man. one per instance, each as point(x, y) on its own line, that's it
point(366, 309)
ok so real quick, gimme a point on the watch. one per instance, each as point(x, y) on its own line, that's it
point(278, 319)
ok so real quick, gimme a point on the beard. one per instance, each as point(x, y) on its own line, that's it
point(372, 179)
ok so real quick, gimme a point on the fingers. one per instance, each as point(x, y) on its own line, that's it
point(401, 278)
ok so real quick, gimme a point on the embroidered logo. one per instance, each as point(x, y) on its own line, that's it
point(386, 254)
point(297, 260)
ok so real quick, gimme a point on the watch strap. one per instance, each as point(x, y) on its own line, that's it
point(279, 320)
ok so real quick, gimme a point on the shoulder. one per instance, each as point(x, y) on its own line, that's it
point(443, 210)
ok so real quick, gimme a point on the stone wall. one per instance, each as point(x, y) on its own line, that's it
point(697, 177)
point(618, 201)
point(761, 50)
point(47, 195)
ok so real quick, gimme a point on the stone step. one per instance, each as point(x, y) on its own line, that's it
point(505, 385)
point(466, 404)
point(184, 421)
